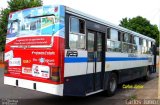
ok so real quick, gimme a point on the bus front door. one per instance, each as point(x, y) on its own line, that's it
point(96, 60)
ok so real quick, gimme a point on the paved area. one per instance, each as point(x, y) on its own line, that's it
point(31, 97)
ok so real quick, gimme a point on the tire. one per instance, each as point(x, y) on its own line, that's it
point(147, 76)
point(112, 85)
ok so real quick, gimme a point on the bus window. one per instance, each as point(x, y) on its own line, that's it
point(134, 46)
point(107, 38)
point(149, 47)
point(32, 25)
point(108, 33)
point(76, 41)
point(123, 37)
point(144, 43)
point(140, 46)
point(126, 37)
point(140, 41)
point(136, 43)
point(82, 26)
point(125, 42)
point(119, 36)
point(13, 27)
point(114, 34)
point(90, 46)
point(74, 27)
point(77, 25)
point(130, 41)
point(113, 44)
point(77, 33)
point(144, 46)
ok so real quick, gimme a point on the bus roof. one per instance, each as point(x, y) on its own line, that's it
point(103, 22)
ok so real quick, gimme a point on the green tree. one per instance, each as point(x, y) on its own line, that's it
point(16, 5)
point(13, 5)
point(142, 26)
point(3, 27)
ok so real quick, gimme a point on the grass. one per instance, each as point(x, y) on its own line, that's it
point(133, 97)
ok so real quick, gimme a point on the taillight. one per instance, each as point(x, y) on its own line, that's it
point(55, 74)
point(5, 67)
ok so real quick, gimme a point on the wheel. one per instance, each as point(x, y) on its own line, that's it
point(112, 85)
point(147, 76)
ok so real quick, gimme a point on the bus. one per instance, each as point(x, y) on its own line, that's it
point(61, 51)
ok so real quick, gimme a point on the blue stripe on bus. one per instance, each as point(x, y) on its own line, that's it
point(123, 58)
point(75, 59)
point(107, 59)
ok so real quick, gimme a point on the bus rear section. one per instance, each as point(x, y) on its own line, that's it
point(34, 52)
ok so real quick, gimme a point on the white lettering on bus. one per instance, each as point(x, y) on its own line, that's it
point(43, 53)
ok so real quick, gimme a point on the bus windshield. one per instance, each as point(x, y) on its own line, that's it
point(35, 27)
point(40, 25)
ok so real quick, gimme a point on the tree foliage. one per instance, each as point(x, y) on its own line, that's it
point(13, 5)
point(3, 27)
point(142, 26)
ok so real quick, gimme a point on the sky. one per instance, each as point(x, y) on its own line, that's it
point(111, 10)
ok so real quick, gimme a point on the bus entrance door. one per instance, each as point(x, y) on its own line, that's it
point(96, 56)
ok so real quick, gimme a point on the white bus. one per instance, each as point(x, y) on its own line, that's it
point(62, 51)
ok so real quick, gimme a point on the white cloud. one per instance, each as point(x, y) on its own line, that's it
point(3, 4)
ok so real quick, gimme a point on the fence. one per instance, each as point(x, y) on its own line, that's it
point(1, 56)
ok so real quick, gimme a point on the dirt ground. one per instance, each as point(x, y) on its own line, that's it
point(1, 65)
point(150, 90)
point(149, 94)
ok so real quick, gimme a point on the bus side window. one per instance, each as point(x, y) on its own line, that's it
point(119, 36)
point(140, 45)
point(149, 47)
point(113, 43)
point(125, 42)
point(144, 46)
point(134, 49)
point(107, 39)
point(130, 44)
point(82, 26)
point(77, 33)
point(136, 42)
point(74, 25)
point(108, 34)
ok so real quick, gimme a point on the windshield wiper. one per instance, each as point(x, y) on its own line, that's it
point(39, 16)
point(12, 21)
